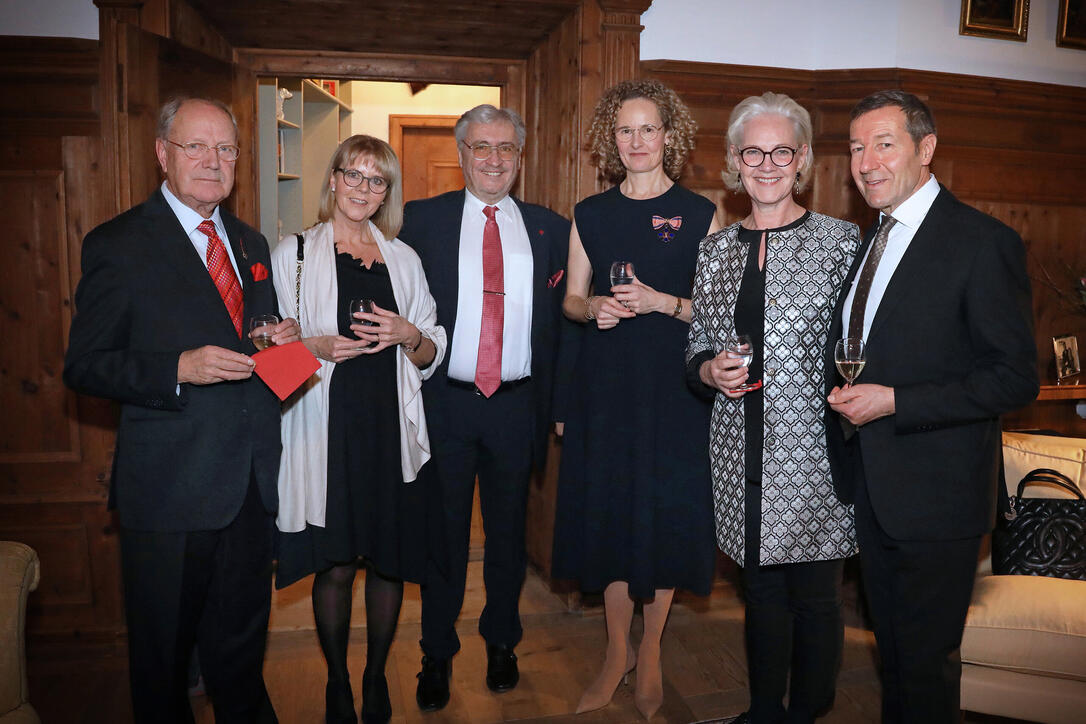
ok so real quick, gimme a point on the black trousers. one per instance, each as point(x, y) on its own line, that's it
point(918, 594)
point(793, 629)
point(492, 439)
point(206, 588)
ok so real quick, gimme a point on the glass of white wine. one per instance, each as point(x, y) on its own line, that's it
point(850, 354)
point(261, 328)
point(740, 346)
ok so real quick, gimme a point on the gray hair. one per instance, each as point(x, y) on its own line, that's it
point(168, 113)
point(919, 121)
point(487, 113)
point(769, 104)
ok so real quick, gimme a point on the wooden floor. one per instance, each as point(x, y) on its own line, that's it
point(704, 668)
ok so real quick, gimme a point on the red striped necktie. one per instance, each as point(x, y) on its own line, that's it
point(488, 366)
point(222, 273)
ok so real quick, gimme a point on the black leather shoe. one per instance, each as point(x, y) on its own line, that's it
point(339, 703)
point(433, 689)
point(376, 706)
point(501, 668)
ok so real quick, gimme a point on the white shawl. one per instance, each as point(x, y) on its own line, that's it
point(303, 470)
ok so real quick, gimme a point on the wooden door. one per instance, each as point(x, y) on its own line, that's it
point(428, 154)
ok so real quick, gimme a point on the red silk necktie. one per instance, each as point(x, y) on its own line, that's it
point(222, 273)
point(488, 366)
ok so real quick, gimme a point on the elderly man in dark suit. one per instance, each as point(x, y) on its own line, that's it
point(941, 297)
point(495, 266)
point(163, 306)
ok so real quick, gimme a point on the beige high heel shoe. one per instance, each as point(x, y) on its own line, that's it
point(649, 689)
point(600, 692)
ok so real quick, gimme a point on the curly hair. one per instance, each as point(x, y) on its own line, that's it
point(674, 114)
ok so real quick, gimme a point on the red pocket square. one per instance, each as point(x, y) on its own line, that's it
point(259, 272)
point(553, 281)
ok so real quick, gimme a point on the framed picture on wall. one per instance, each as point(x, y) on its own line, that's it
point(1068, 363)
point(1071, 26)
point(331, 87)
point(1003, 19)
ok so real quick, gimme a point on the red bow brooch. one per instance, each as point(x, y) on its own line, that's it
point(666, 228)
point(259, 272)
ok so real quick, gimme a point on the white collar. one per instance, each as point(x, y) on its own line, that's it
point(505, 205)
point(188, 217)
point(912, 211)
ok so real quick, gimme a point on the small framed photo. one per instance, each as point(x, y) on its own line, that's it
point(1001, 19)
point(1071, 26)
point(331, 87)
point(1068, 363)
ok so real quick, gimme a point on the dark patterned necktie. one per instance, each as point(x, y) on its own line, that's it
point(488, 365)
point(867, 275)
point(222, 273)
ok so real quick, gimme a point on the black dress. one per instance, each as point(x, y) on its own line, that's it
point(370, 511)
point(634, 496)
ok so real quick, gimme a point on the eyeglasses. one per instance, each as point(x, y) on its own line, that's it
point(648, 133)
point(481, 151)
point(195, 150)
point(781, 156)
point(377, 184)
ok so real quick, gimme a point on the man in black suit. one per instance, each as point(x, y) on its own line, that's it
point(941, 297)
point(162, 327)
point(487, 254)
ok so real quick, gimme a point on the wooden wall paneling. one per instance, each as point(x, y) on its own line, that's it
point(1013, 149)
point(56, 452)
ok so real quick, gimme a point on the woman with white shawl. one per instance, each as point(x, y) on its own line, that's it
point(353, 482)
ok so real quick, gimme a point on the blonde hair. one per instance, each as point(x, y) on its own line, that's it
point(389, 217)
point(674, 115)
point(769, 104)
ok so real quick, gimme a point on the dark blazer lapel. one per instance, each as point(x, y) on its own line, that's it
point(448, 224)
point(923, 251)
point(836, 329)
point(179, 256)
point(236, 232)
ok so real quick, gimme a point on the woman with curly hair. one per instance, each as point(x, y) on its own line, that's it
point(634, 501)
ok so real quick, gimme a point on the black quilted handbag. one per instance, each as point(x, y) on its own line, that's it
point(1041, 536)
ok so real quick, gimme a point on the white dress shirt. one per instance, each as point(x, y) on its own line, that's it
point(909, 216)
point(190, 220)
point(518, 265)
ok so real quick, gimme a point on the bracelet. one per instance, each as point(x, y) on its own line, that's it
point(413, 350)
point(588, 315)
point(678, 307)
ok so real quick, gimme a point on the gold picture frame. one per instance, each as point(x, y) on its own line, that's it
point(1071, 26)
point(1000, 19)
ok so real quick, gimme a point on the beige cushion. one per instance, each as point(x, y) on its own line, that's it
point(1030, 624)
point(1023, 452)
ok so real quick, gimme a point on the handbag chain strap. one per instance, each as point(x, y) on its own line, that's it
point(298, 278)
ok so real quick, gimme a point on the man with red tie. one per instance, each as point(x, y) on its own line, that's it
point(496, 269)
point(161, 326)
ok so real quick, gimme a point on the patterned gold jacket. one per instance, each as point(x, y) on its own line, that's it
point(802, 520)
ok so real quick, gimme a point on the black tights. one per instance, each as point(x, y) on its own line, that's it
point(332, 593)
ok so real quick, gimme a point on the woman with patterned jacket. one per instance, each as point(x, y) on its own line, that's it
point(775, 276)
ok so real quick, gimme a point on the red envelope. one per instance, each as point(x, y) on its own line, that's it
point(285, 367)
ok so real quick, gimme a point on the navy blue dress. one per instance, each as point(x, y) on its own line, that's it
point(634, 500)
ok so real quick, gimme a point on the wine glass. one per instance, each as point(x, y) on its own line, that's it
point(740, 346)
point(261, 328)
point(364, 306)
point(622, 272)
point(850, 355)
